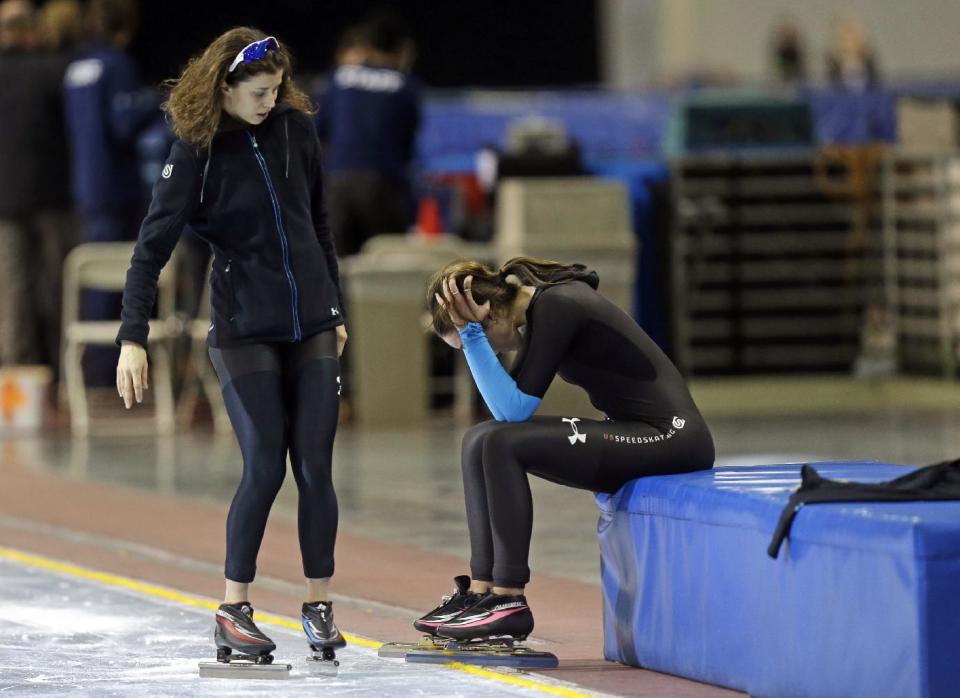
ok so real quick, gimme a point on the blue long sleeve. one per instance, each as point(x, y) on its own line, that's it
point(505, 400)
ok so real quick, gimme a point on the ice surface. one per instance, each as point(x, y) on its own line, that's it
point(68, 636)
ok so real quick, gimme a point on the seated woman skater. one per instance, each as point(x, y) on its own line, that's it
point(554, 317)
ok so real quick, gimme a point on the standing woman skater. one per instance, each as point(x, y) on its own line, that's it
point(554, 317)
point(244, 173)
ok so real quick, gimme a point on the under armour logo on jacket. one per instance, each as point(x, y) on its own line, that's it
point(576, 435)
point(334, 311)
point(167, 170)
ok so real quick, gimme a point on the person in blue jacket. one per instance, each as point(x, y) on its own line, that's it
point(106, 109)
point(245, 175)
point(367, 120)
point(554, 317)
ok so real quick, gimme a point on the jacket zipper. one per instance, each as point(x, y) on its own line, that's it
point(283, 236)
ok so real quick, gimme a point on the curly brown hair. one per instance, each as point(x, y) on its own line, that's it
point(195, 105)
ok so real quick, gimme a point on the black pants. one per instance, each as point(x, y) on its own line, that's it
point(361, 205)
point(586, 454)
point(280, 398)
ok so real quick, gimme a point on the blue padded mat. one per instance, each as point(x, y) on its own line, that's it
point(862, 602)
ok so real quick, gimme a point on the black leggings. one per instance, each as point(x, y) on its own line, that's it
point(282, 397)
point(587, 454)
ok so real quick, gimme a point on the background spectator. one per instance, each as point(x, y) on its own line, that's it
point(60, 25)
point(851, 62)
point(368, 120)
point(788, 51)
point(18, 177)
point(106, 110)
point(36, 228)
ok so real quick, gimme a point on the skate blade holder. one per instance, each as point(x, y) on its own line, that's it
point(399, 650)
point(242, 669)
point(494, 652)
point(323, 662)
point(512, 660)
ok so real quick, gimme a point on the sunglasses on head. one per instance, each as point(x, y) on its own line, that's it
point(254, 52)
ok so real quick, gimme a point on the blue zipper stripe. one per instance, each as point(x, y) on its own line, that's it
point(283, 236)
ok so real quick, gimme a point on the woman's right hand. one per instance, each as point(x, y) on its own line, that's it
point(461, 307)
point(132, 373)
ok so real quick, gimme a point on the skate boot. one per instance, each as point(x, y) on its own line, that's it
point(242, 649)
point(238, 638)
point(324, 637)
point(494, 617)
point(450, 606)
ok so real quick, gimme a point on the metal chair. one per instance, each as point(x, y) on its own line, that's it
point(103, 266)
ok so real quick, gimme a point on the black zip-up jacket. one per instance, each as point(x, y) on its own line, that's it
point(256, 196)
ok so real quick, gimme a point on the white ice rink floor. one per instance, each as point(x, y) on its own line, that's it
point(69, 631)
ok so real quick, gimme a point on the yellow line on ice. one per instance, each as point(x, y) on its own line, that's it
point(517, 681)
point(187, 600)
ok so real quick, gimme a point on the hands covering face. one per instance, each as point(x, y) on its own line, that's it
point(461, 307)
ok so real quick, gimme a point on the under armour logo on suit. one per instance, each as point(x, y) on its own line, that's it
point(576, 435)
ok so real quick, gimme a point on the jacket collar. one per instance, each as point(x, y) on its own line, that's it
point(229, 123)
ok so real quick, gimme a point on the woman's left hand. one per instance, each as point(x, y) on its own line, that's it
point(461, 307)
point(341, 339)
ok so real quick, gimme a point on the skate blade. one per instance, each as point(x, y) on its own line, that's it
point(399, 650)
point(323, 667)
point(516, 658)
point(243, 670)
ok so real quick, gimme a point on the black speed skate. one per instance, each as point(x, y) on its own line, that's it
point(493, 616)
point(324, 637)
point(242, 648)
point(238, 638)
point(450, 606)
point(487, 634)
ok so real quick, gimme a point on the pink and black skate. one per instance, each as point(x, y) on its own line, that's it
point(493, 616)
point(450, 606)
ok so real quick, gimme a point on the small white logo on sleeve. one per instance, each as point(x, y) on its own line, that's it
point(167, 171)
point(83, 73)
point(334, 311)
point(576, 435)
point(678, 423)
